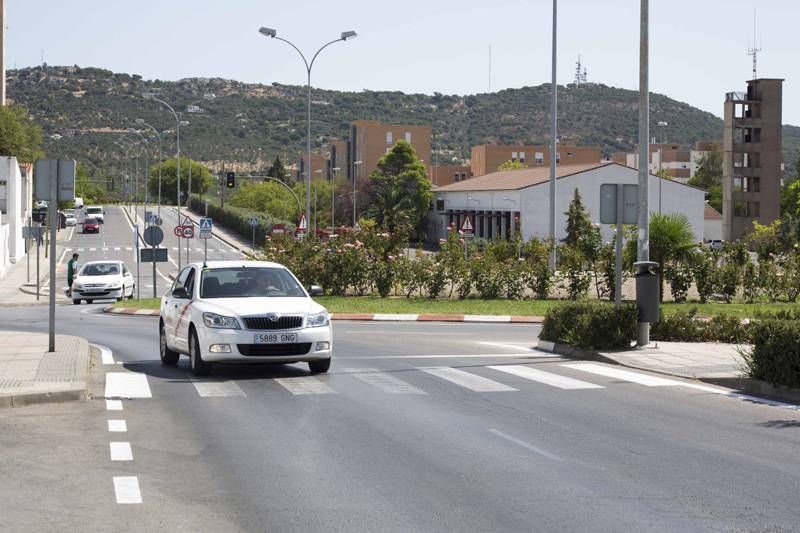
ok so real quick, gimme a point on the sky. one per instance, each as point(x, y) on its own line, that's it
point(698, 48)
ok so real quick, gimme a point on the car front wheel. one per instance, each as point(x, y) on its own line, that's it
point(196, 363)
point(168, 357)
point(76, 301)
point(319, 367)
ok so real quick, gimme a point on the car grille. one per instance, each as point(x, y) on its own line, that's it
point(295, 348)
point(283, 322)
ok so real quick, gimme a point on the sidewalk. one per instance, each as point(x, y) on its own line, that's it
point(691, 360)
point(228, 237)
point(30, 374)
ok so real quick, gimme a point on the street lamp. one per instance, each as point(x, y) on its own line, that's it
point(356, 164)
point(318, 171)
point(141, 122)
point(662, 126)
point(146, 166)
point(273, 34)
point(333, 200)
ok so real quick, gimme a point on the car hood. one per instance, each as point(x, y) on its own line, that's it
point(99, 280)
point(259, 306)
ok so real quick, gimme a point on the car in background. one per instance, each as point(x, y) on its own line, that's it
point(243, 312)
point(99, 280)
point(91, 225)
point(69, 218)
point(96, 212)
point(78, 202)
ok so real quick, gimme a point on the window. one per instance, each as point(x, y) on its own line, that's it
point(745, 209)
point(463, 176)
point(754, 209)
point(181, 279)
point(440, 204)
point(522, 157)
point(558, 157)
point(249, 282)
point(539, 157)
point(189, 285)
point(408, 136)
point(745, 184)
point(100, 269)
point(388, 137)
point(513, 156)
point(455, 176)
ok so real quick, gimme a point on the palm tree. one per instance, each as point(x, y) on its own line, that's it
point(671, 241)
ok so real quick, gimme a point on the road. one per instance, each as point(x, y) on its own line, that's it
point(418, 427)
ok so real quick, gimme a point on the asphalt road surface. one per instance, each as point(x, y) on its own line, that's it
point(418, 427)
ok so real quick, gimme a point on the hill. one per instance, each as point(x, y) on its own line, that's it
point(84, 110)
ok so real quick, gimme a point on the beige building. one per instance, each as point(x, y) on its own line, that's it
point(679, 160)
point(752, 158)
point(442, 175)
point(487, 157)
point(370, 140)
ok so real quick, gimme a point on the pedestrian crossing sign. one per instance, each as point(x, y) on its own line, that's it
point(206, 224)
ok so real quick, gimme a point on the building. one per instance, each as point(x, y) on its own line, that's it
point(486, 158)
point(680, 161)
point(16, 206)
point(370, 140)
point(510, 201)
point(712, 224)
point(751, 157)
point(441, 175)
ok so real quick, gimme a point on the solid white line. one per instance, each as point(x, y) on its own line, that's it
point(526, 445)
point(454, 356)
point(304, 385)
point(217, 389)
point(126, 489)
point(511, 345)
point(105, 354)
point(385, 382)
point(117, 426)
point(390, 317)
point(547, 378)
point(127, 385)
point(625, 375)
point(467, 380)
point(120, 451)
point(113, 405)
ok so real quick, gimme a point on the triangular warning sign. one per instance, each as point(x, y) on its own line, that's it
point(357, 227)
point(466, 226)
point(303, 226)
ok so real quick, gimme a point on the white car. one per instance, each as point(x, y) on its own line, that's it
point(243, 312)
point(69, 218)
point(102, 280)
point(96, 212)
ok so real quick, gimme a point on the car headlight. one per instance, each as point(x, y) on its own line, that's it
point(213, 320)
point(115, 287)
point(318, 319)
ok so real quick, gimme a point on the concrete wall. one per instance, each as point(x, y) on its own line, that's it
point(4, 257)
point(712, 229)
point(15, 205)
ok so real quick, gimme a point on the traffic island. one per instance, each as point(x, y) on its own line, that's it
point(29, 374)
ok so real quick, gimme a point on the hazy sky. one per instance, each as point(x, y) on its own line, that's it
point(698, 47)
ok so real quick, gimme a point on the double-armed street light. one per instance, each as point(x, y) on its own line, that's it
point(273, 34)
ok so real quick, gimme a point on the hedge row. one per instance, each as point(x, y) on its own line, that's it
point(775, 356)
point(237, 219)
point(591, 325)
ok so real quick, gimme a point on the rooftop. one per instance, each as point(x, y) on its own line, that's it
point(509, 180)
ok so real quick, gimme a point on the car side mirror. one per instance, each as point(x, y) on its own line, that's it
point(180, 292)
point(315, 290)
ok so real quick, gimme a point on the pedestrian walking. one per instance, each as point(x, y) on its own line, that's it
point(72, 267)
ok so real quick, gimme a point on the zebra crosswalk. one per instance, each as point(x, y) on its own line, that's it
point(130, 249)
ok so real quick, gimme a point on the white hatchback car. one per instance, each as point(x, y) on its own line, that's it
point(243, 312)
point(69, 218)
point(102, 280)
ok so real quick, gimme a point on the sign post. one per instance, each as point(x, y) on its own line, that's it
point(618, 205)
point(253, 224)
point(153, 236)
point(303, 226)
point(468, 230)
point(206, 229)
point(138, 263)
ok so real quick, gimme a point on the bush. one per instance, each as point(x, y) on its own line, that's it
point(679, 327)
point(591, 325)
point(576, 279)
point(775, 356)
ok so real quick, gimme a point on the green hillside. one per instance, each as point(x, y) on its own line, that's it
point(84, 110)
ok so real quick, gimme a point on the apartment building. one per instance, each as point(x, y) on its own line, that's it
point(752, 157)
point(441, 175)
point(487, 157)
point(679, 160)
point(370, 140)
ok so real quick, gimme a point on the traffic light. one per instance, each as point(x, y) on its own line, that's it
point(230, 180)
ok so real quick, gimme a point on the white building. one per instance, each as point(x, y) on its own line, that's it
point(712, 225)
point(15, 208)
point(505, 202)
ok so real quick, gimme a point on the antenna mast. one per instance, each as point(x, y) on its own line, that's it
point(578, 71)
point(755, 49)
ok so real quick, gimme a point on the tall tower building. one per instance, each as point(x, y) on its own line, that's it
point(752, 156)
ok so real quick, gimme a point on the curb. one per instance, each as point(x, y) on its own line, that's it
point(367, 317)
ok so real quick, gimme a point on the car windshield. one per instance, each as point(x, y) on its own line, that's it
point(90, 221)
point(94, 210)
point(249, 282)
point(100, 269)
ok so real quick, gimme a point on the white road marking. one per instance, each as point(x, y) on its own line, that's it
point(384, 382)
point(547, 378)
point(217, 389)
point(116, 248)
point(522, 347)
point(113, 405)
point(117, 426)
point(105, 249)
point(625, 375)
point(174, 248)
point(487, 318)
point(120, 451)
point(127, 385)
point(126, 489)
point(452, 356)
point(105, 354)
point(92, 249)
point(739, 396)
point(389, 317)
point(304, 385)
point(467, 380)
point(526, 445)
point(128, 248)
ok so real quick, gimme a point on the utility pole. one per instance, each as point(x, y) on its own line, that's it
point(553, 141)
point(2, 52)
point(643, 241)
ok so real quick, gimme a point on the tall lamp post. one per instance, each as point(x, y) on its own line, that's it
point(146, 166)
point(356, 164)
point(553, 140)
point(141, 122)
point(662, 126)
point(273, 34)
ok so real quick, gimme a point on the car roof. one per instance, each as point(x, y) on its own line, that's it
point(102, 262)
point(238, 264)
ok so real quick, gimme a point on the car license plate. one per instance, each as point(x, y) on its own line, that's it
point(275, 338)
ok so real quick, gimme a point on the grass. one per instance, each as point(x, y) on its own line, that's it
point(374, 304)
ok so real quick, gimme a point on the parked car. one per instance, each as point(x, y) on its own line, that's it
point(243, 312)
point(98, 280)
point(96, 212)
point(90, 225)
point(69, 217)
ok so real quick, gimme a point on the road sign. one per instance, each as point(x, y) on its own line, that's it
point(188, 232)
point(153, 236)
point(608, 203)
point(278, 228)
point(61, 171)
point(178, 231)
point(466, 226)
point(32, 232)
point(253, 221)
point(357, 227)
point(206, 224)
point(146, 255)
point(302, 226)
point(186, 222)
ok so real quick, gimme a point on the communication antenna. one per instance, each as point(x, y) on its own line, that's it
point(755, 49)
point(578, 71)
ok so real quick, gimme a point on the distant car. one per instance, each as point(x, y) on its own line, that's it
point(99, 280)
point(96, 212)
point(243, 312)
point(90, 225)
point(70, 218)
point(78, 202)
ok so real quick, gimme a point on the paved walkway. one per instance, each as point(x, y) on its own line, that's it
point(30, 374)
point(698, 360)
point(18, 286)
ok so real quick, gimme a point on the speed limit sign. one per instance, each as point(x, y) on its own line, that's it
point(188, 232)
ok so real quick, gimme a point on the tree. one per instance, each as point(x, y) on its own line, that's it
point(512, 165)
point(664, 173)
point(86, 189)
point(579, 225)
point(400, 176)
point(790, 195)
point(202, 179)
point(277, 170)
point(274, 199)
point(709, 177)
point(19, 135)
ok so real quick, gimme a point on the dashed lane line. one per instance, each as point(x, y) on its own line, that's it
point(117, 426)
point(126, 489)
point(526, 445)
point(113, 405)
point(127, 385)
point(120, 451)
